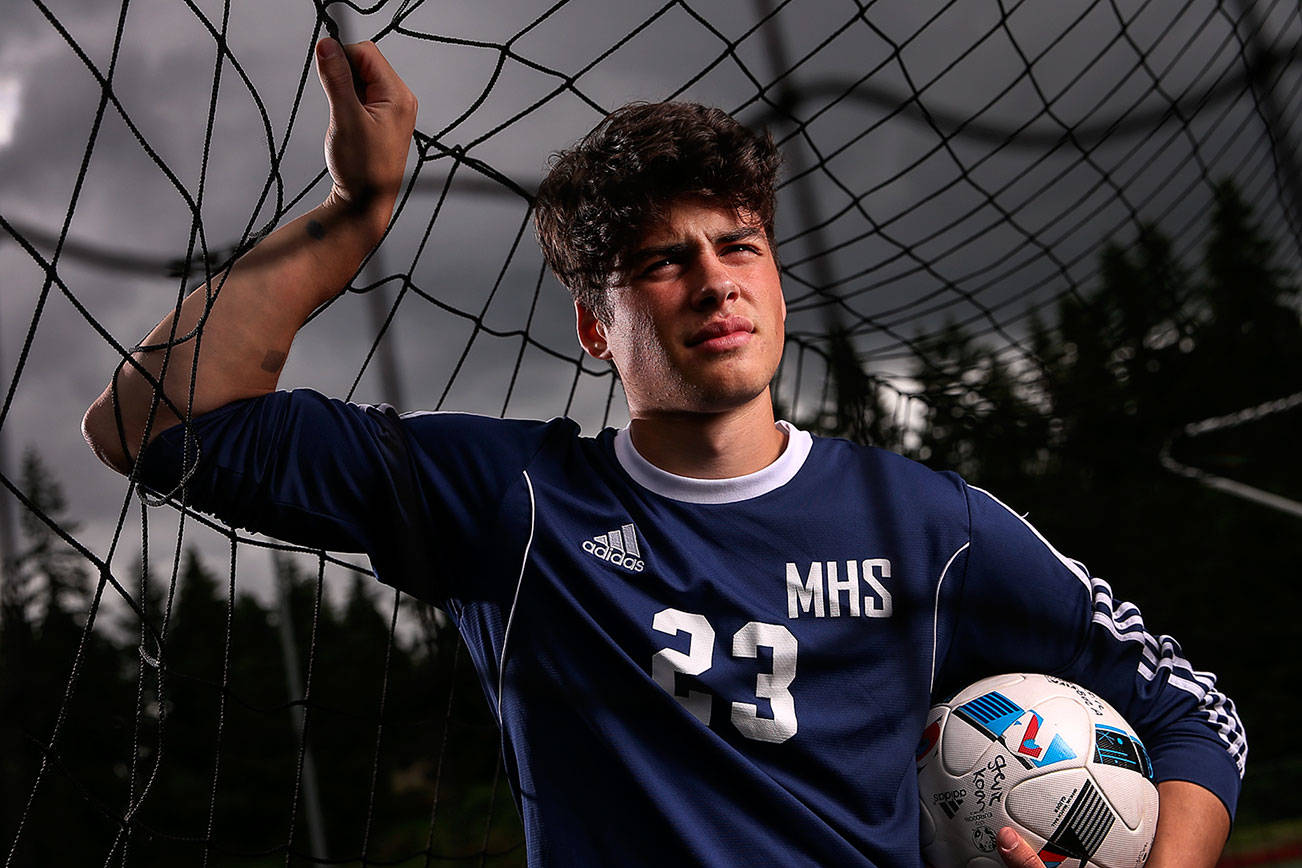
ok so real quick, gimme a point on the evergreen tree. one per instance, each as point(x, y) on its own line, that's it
point(66, 704)
point(857, 407)
point(1114, 377)
point(190, 666)
point(255, 760)
point(980, 420)
point(50, 574)
point(1248, 324)
point(18, 762)
point(151, 598)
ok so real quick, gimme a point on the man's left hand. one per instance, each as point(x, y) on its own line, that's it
point(1016, 852)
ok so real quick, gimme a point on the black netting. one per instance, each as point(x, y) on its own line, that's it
point(965, 183)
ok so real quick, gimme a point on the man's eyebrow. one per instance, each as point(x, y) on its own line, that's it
point(739, 234)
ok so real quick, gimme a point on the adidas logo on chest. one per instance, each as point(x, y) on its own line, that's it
point(619, 547)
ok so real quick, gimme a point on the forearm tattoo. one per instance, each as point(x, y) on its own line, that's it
point(273, 361)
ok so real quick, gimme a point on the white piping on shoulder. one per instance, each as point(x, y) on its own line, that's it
point(1072, 565)
point(506, 634)
point(935, 614)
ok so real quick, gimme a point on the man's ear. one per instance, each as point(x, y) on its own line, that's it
point(592, 334)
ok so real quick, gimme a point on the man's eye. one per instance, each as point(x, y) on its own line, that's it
point(657, 267)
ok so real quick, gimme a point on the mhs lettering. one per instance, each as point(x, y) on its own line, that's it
point(828, 590)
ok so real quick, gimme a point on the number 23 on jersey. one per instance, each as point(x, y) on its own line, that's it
point(699, 657)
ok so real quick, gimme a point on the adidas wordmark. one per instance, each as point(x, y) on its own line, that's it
point(618, 547)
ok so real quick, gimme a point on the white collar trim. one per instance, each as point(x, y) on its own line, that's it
point(685, 488)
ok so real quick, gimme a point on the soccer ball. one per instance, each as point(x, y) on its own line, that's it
point(1044, 756)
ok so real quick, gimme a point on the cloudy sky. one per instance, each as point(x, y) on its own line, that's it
point(928, 163)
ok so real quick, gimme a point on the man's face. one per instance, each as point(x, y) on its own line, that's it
point(697, 325)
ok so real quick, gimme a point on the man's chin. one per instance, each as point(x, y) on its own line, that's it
point(715, 397)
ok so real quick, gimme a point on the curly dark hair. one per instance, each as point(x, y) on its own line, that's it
point(622, 177)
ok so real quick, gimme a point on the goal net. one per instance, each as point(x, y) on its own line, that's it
point(959, 178)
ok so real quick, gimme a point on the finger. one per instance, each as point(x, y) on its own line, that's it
point(336, 77)
point(1016, 852)
point(382, 83)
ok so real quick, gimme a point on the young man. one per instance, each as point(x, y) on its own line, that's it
point(708, 638)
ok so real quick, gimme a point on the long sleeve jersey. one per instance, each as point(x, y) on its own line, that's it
point(703, 672)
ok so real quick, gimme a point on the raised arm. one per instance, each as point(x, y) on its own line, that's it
point(268, 294)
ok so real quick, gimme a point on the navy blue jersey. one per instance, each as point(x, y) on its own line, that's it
point(702, 671)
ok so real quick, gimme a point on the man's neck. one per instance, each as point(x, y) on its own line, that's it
point(710, 445)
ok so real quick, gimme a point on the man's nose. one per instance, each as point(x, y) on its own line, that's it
point(715, 286)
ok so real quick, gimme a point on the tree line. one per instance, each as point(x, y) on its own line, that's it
point(170, 736)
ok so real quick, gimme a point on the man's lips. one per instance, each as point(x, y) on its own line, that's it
point(723, 333)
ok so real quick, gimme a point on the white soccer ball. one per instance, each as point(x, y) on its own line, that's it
point(1042, 755)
